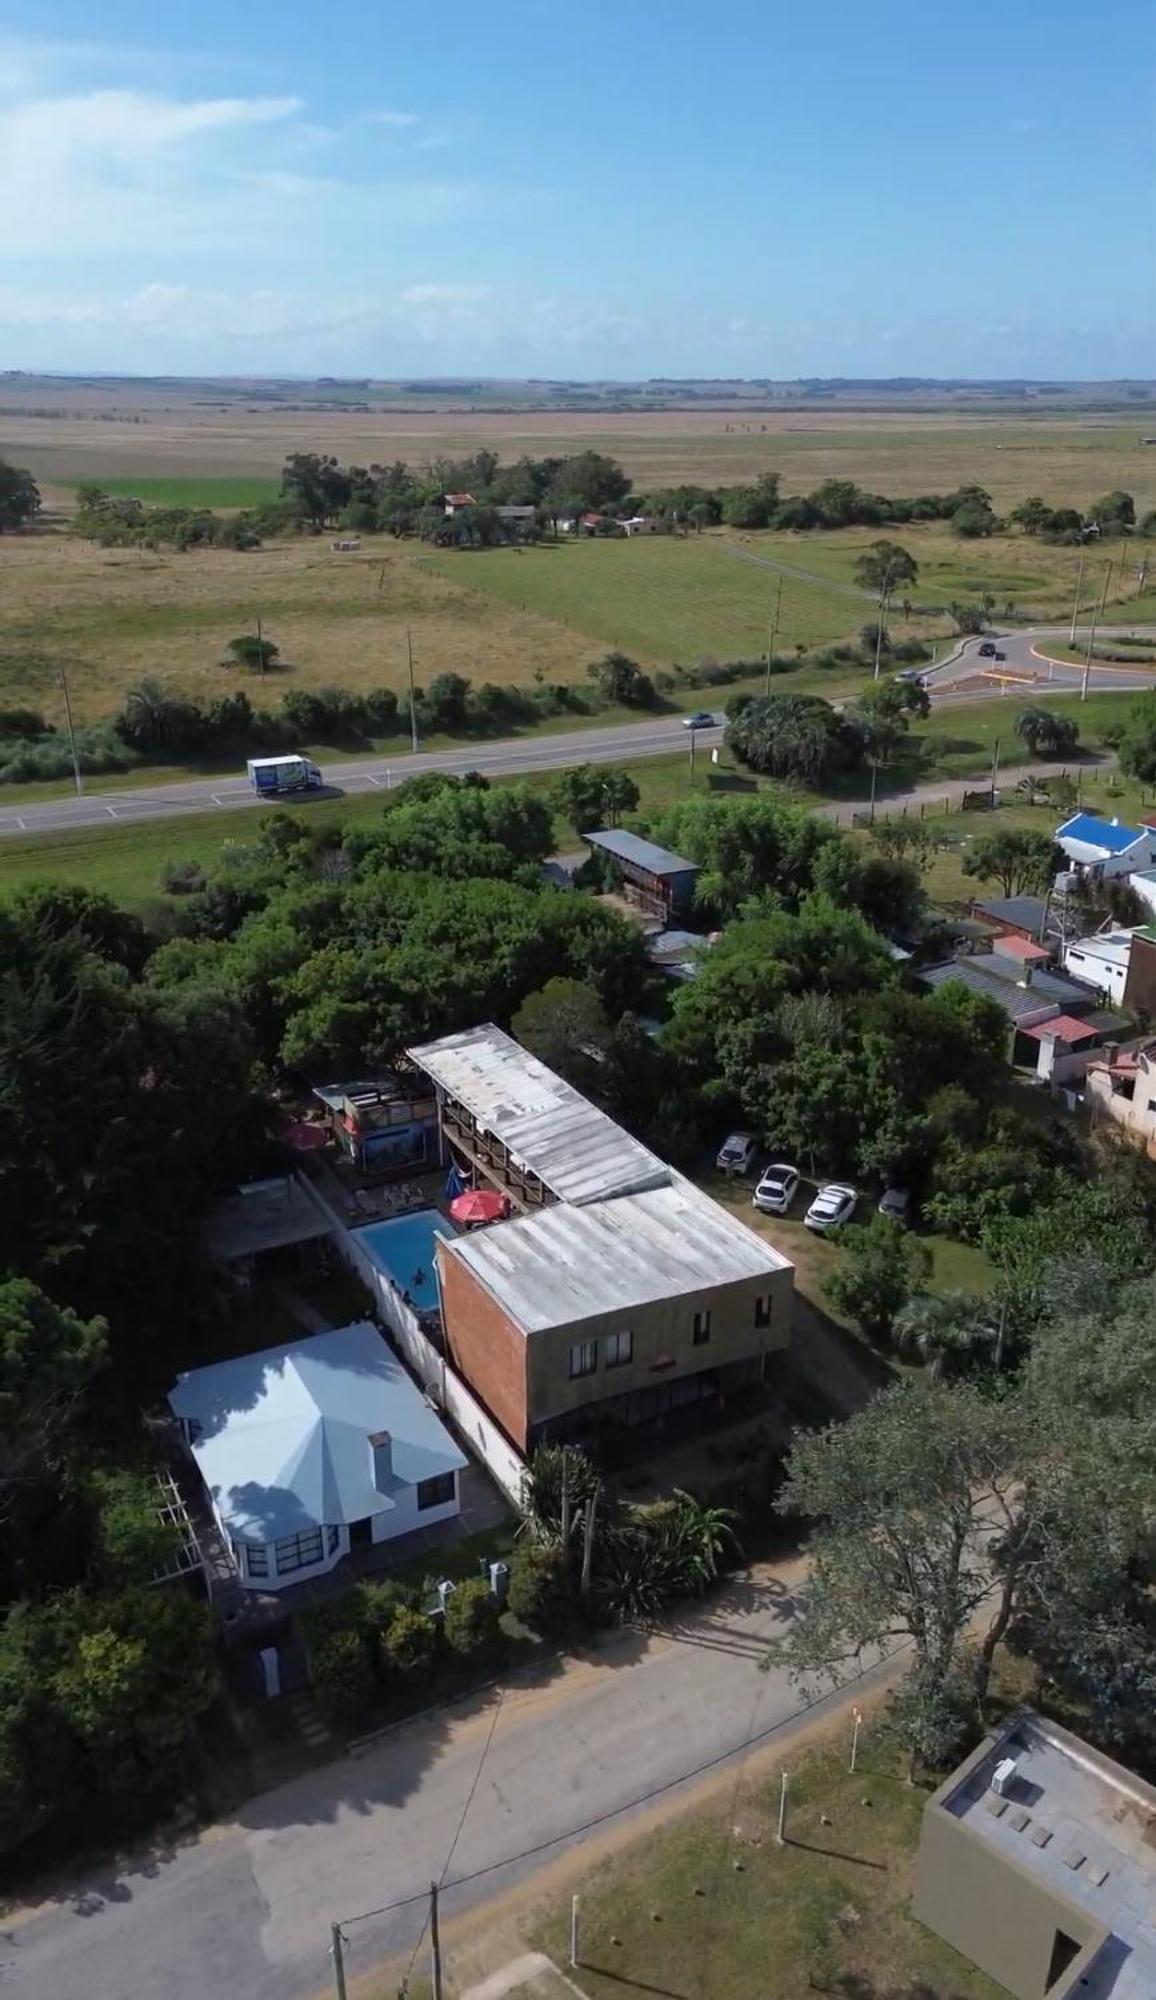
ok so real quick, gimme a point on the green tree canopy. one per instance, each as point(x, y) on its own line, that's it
point(1018, 858)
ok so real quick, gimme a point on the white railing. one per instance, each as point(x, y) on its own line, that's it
point(440, 1381)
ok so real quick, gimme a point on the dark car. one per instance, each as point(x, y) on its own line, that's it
point(987, 651)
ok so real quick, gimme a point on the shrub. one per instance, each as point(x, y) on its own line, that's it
point(342, 1678)
point(471, 1618)
point(182, 878)
point(540, 1587)
point(409, 1641)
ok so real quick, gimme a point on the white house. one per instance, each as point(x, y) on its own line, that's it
point(1103, 848)
point(1144, 884)
point(1101, 961)
point(313, 1449)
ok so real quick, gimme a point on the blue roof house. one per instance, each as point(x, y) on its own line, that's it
point(1102, 848)
point(313, 1449)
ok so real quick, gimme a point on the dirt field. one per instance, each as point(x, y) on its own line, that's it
point(95, 433)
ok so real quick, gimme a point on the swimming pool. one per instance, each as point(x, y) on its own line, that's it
point(403, 1247)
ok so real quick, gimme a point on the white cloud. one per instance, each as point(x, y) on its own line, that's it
point(395, 118)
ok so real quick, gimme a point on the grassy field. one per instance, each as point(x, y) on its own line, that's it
point(231, 490)
point(98, 434)
point(710, 1907)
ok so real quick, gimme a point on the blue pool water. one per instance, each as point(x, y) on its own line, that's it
point(403, 1247)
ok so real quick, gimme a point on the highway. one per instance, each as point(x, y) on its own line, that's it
point(962, 677)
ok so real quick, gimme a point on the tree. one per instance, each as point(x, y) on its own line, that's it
point(1022, 861)
point(317, 485)
point(622, 681)
point(1031, 515)
point(590, 796)
point(949, 1331)
point(540, 1592)
point(1047, 734)
point(19, 497)
point(259, 655)
point(1138, 742)
point(619, 795)
point(879, 1268)
point(48, 1357)
point(409, 1641)
point(885, 567)
point(566, 1027)
point(1114, 514)
point(792, 736)
point(967, 618)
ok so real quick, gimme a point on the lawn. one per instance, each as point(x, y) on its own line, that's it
point(225, 491)
point(710, 1907)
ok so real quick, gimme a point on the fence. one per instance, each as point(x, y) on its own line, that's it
point(433, 1371)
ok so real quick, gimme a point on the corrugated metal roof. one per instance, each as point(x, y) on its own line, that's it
point(284, 1435)
point(1015, 1000)
point(562, 1265)
point(1087, 830)
point(641, 853)
point(579, 1153)
point(1063, 1028)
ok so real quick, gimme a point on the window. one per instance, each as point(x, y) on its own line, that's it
point(763, 1311)
point(583, 1359)
point(701, 1331)
point(619, 1349)
point(256, 1559)
point(298, 1551)
point(332, 1539)
point(435, 1492)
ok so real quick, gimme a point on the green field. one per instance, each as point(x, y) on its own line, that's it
point(226, 490)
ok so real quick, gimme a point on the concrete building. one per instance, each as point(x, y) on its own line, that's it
point(1140, 988)
point(1120, 1084)
point(620, 1292)
point(1037, 1861)
point(1101, 961)
point(313, 1449)
point(1102, 849)
point(658, 881)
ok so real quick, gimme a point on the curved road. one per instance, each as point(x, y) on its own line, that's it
point(963, 676)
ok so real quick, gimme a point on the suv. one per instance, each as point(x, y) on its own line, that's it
point(736, 1155)
point(987, 650)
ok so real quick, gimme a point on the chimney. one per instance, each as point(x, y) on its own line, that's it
point(1027, 975)
point(1109, 1051)
point(381, 1453)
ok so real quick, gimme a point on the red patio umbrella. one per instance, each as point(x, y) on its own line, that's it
point(479, 1205)
point(305, 1138)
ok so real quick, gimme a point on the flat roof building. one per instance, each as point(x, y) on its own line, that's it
point(621, 1292)
point(1037, 1861)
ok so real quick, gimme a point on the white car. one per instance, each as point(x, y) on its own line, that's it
point(832, 1206)
point(895, 1202)
point(701, 719)
point(777, 1188)
point(736, 1155)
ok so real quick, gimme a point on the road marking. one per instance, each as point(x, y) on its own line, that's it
point(20, 824)
point(216, 800)
point(111, 812)
point(375, 781)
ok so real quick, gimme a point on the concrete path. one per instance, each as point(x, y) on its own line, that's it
point(478, 1798)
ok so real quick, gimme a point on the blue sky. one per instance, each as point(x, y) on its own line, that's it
point(600, 189)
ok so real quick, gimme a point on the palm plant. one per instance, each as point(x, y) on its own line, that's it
point(949, 1331)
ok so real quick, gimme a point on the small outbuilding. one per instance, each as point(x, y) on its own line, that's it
point(653, 878)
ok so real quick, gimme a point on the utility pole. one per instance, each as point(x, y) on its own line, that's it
point(1076, 605)
point(1097, 614)
point(71, 730)
point(412, 705)
point(338, 1961)
point(588, 1542)
point(260, 649)
point(435, 1941)
point(773, 630)
point(857, 1717)
point(691, 733)
point(994, 770)
point(575, 1932)
point(879, 631)
point(781, 1835)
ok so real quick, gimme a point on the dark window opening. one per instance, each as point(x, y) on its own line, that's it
point(701, 1333)
point(763, 1311)
point(435, 1492)
point(1064, 1951)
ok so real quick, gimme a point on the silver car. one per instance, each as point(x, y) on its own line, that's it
point(832, 1206)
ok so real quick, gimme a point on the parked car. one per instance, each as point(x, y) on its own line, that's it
point(895, 1202)
point(777, 1188)
point(987, 650)
point(701, 719)
point(832, 1206)
point(736, 1155)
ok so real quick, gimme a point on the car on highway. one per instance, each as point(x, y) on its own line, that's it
point(701, 719)
point(736, 1155)
point(778, 1185)
point(832, 1207)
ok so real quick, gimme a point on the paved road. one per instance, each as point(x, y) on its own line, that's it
point(963, 676)
point(246, 1909)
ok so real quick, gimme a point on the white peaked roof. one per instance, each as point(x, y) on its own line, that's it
point(282, 1438)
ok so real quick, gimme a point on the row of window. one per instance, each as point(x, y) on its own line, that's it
point(618, 1348)
point(301, 1551)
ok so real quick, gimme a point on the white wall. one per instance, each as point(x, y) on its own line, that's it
point(406, 1516)
point(473, 1424)
point(1084, 962)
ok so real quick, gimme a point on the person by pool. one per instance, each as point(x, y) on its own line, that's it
point(418, 1279)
